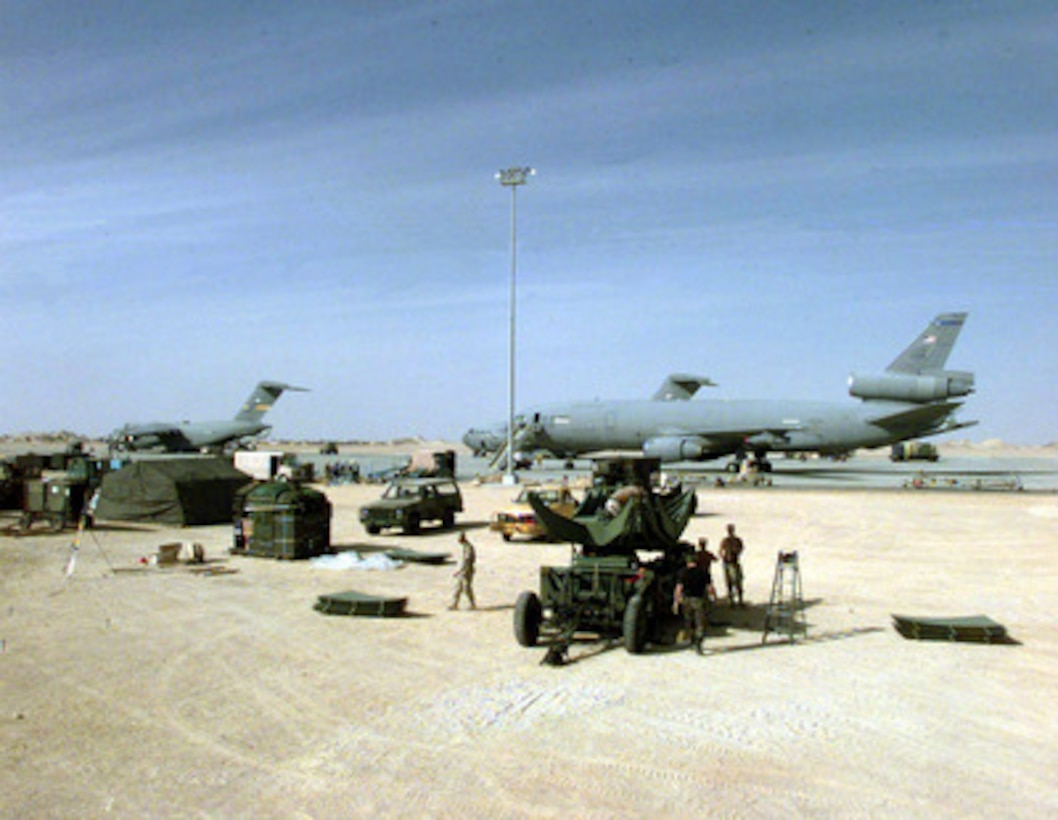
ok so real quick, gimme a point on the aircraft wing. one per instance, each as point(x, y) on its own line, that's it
point(153, 428)
point(916, 418)
point(724, 439)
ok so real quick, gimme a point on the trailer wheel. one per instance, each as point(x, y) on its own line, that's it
point(635, 624)
point(527, 616)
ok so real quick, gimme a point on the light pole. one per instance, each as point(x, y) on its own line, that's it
point(512, 178)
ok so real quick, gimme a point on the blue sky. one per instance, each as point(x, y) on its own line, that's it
point(195, 196)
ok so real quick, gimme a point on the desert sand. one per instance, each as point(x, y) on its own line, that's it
point(135, 691)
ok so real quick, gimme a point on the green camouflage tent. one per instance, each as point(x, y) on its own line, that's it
point(180, 491)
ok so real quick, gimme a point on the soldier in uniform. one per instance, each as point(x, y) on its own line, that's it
point(705, 560)
point(692, 586)
point(464, 575)
point(731, 554)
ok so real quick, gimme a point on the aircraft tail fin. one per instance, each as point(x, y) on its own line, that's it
point(929, 352)
point(264, 395)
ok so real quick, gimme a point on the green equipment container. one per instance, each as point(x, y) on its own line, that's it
point(59, 501)
point(283, 519)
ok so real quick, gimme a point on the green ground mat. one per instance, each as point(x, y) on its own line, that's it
point(974, 628)
point(360, 603)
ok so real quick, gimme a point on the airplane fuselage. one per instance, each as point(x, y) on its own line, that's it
point(698, 430)
point(192, 436)
point(185, 437)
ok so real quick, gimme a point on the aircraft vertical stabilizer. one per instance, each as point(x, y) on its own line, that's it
point(929, 352)
point(264, 395)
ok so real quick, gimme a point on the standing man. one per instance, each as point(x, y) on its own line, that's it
point(464, 575)
point(692, 585)
point(705, 561)
point(731, 554)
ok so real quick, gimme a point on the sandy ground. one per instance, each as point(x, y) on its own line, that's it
point(162, 692)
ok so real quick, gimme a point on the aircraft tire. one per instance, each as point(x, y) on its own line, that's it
point(527, 617)
point(635, 624)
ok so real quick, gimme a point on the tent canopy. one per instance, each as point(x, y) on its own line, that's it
point(181, 491)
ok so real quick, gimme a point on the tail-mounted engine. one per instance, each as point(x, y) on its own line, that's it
point(944, 384)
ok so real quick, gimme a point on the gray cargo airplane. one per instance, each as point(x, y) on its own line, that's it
point(676, 387)
point(914, 397)
point(192, 436)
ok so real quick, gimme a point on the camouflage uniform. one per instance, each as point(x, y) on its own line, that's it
point(692, 590)
point(465, 575)
point(731, 554)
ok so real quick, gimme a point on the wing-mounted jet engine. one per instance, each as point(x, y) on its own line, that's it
point(676, 448)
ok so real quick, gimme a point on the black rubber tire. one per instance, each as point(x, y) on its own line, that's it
point(411, 526)
point(448, 519)
point(635, 624)
point(527, 617)
point(373, 529)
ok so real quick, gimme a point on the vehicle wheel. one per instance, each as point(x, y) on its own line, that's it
point(56, 523)
point(732, 467)
point(635, 624)
point(373, 529)
point(527, 617)
point(25, 521)
point(448, 519)
point(506, 536)
point(411, 526)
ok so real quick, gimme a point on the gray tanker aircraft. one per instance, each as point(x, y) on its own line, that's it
point(192, 436)
point(677, 387)
point(914, 397)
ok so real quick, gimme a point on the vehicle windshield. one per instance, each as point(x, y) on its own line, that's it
point(400, 491)
point(548, 496)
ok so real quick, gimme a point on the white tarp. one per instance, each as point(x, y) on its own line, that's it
point(354, 560)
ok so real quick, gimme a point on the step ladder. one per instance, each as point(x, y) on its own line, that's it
point(785, 614)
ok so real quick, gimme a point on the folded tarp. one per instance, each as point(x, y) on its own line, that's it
point(974, 628)
point(360, 603)
point(415, 557)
